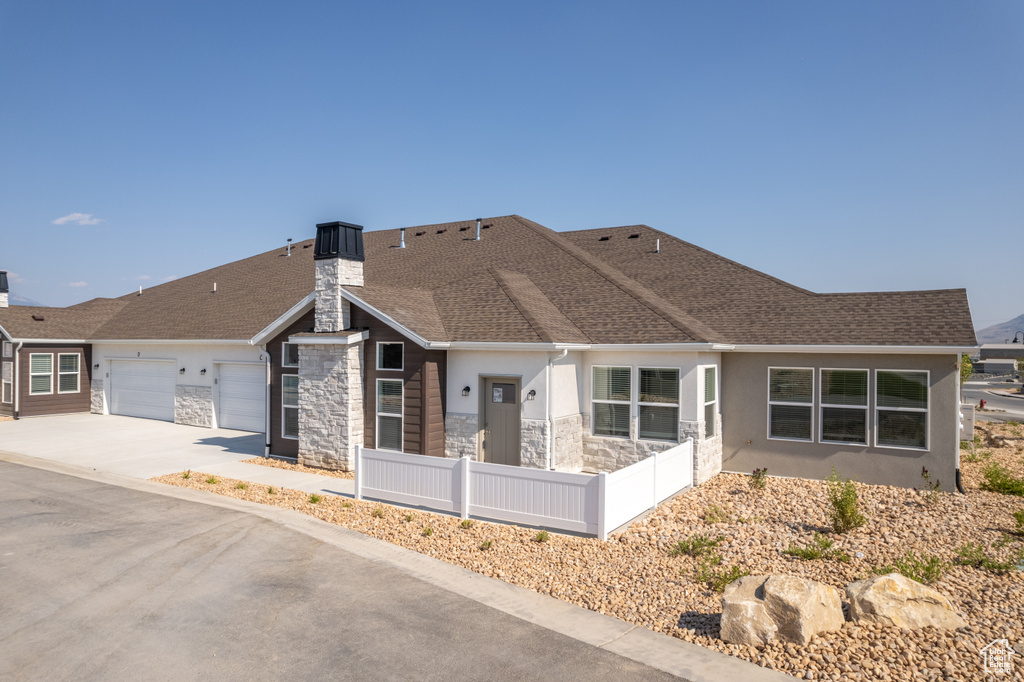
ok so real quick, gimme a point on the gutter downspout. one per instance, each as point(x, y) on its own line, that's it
point(959, 422)
point(549, 384)
point(266, 416)
point(16, 383)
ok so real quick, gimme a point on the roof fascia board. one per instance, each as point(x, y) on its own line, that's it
point(658, 347)
point(392, 322)
point(6, 333)
point(293, 313)
point(48, 340)
point(512, 345)
point(171, 342)
point(877, 350)
point(320, 340)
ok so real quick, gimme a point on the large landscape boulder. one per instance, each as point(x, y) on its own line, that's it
point(895, 600)
point(757, 609)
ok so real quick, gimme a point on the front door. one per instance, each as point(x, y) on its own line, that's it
point(501, 421)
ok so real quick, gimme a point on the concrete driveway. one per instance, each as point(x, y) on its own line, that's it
point(144, 448)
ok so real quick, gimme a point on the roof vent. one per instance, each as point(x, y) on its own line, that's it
point(420, 234)
point(289, 240)
point(401, 244)
point(487, 227)
point(635, 235)
point(478, 221)
point(463, 229)
point(37, 318)
point(442, 231)
point(339, 240)
point(604, 239)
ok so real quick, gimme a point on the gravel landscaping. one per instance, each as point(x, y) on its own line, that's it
point(295, 466)
point(636, 578)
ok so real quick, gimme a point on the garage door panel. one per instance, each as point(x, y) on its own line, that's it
point(142, 389)
point(243, 390)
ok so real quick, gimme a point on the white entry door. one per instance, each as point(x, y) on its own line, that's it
point(142, 389)
point(243, 391)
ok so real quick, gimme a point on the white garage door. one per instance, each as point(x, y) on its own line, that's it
point(243, 390)
point(142, 389)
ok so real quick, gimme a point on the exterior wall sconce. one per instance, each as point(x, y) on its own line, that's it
point(181, 371)
point(96, 366)
point(532, 395)
point(465, 391)
point(202, 372)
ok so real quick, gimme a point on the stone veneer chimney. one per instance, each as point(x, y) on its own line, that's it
point(338, 254)
point(3, 289)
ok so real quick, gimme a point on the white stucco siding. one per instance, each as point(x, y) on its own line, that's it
point(192, 386)
point(567, 385)
point(465, 368)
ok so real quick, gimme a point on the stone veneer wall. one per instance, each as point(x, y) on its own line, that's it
point(533, 443)
point(569, 443)
point(707, 452)
point(193, 405)
point(460, 435)
point(333, 313)
point(330, 404)
point(96, 397)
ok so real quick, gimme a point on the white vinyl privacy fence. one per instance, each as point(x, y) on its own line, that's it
point(582, 503)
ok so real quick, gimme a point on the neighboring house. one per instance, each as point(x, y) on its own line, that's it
point(504, 340)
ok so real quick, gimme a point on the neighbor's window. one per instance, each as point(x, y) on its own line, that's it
point(844, 406)
point(67, 373)
point(8, 383)
point(40, 367)
point(289, 355)
point(389, 356)
point(901, 404)
point(659, 404)
point(8, 349)
point(790, 403)
point(290, 405)
point(611, 396)
point(389, 414)
point(710, 401)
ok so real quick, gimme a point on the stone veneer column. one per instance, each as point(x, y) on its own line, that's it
point(330, 404)
point(96, 397)
point(193, 405)
point(460, 435)
point(333, 312)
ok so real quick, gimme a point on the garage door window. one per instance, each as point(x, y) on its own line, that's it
point(67, 373)
point(40, 367)
point(290, 405)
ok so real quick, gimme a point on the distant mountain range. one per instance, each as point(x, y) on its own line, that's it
point(999, 333)
point(21, 300)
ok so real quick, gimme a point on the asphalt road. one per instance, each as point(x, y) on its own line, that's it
point(99, 582)
point(975, 391)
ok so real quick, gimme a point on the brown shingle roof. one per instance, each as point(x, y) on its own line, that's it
point(523, 282)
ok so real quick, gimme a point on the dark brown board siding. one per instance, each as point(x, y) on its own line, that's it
point(54, 403)
point(280, 446)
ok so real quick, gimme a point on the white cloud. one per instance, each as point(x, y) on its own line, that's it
point(77, 284)
point(169, 279)
point(80, 218)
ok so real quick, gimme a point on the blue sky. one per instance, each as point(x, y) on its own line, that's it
point(839, 146)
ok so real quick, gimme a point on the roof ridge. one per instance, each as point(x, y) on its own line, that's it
point(697, 330)
point(502, 277)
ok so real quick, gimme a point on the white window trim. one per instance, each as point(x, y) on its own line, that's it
point(39, 374)
point(678, 404)
point(290, 407)
point(390, 369)
point(378, 414)
point(768, 416)
point(630, 402)
point(822, 405)
point(703, 369)
point(78, 373)
point(927, 411)
point(284, 353)
point(7, 364)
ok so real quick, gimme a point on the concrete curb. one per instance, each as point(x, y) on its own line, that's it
point(663, 652)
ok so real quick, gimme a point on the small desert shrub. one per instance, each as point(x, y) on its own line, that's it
point(542, 536)
point(466, 523)
point(377, 513)
point(844, 506)
point(428, 531)
point(346, 505)
point(407, 518)
point(998, 479)
point(241, 485)
point(924, 569)
point(212, 480)
point(821, 548)
point(486, 545)
point(314, 498)
point(931, 490)
point(1018, 517)
point(975, 556)
point(707, 572)
point(271, 491)
point(758, 479)
point(696, 545)
point(715, 514)
point(187, 474)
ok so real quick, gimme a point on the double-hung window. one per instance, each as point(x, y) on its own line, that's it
point(290, 405)
point(8, 383)
point(611, 398)
point(389, 356)
point(8, 349)
point(67, 373)
point(710, 400)
point(901, 409)
point(790, 403)
point(40, 369)
point(389, 414)
point(844, 406)
point(658, 404)
point(289, 355)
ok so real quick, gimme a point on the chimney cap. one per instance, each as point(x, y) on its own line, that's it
point(338, 240)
